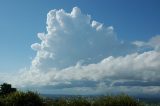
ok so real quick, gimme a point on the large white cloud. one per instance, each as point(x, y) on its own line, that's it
point(138, 69)
point(75, 37)
point(82, 55)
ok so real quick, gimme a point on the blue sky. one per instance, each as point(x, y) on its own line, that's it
point(134, 22)
point(22, 20)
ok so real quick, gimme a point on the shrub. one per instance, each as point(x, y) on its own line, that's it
point(6, 89)
point(22, 99)
point(119, 100)
point(33, 99)
point(78, 102)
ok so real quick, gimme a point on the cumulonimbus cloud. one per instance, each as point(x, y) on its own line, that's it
point(75, 37)
point(78, 53)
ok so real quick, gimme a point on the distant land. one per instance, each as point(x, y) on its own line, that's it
point(144, 98)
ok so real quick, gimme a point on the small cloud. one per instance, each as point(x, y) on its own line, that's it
point(139, 43)
point(36, 46)
point(154, 43)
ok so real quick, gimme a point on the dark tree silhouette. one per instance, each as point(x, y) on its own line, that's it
point(6, 89)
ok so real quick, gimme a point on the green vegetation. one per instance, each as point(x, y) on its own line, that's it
point(11, 97)
point(21, 99)
point(6, 89)
point(119, 100)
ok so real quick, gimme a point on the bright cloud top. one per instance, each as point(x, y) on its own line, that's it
point(72, 38)
point(80, 54)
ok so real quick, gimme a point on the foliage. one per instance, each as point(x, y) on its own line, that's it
point(119, 100)
point(21, 99)
point(11, 97)
point(33, 99)
point(6, 89)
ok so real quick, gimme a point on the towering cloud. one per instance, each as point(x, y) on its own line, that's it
point(80, 54)
point(72, 38)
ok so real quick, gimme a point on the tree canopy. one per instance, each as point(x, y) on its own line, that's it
point(6, 89)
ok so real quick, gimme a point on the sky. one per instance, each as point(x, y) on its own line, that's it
point(74, 47)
